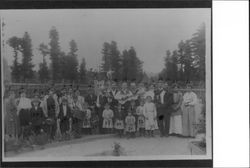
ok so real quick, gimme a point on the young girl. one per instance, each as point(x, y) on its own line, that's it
point(149, 111)
point(130, 125)
point(119, 123)
point(140, 119)
point(107, 119)
point(86, 121)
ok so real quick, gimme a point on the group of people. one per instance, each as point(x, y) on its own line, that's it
point(128, 111)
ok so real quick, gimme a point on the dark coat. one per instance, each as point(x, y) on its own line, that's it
point(91, 99)
point(37, 116)
point(64, 120)
point(166, 107)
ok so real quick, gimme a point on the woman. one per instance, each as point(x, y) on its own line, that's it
point(23, 112)
point(188, 120)
point(11, 116)
point(176, 115)
point(150, 114)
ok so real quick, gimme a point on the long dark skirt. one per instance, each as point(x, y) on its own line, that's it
point(64, 125)
point(24, 117)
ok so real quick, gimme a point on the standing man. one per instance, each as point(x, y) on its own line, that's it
point(164, 108)
point(51, 108)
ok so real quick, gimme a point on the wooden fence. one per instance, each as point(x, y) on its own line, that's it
point(30, 88)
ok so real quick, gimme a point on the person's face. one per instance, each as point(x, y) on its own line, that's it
point(23, 94)
point(129, 114)
point(90, 91)
point(189, 88)
point(107, 107)
point(64, 103)
point(36, 104)
point(148, 99)
point(50, 92)
point(77, 93)
point(141, 103)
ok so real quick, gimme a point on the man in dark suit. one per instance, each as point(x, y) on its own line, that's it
point(164, 102)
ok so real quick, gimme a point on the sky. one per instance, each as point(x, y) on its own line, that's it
point(150, 31)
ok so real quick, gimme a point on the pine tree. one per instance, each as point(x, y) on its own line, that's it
point(82, 72)
point(72, 62)
point(106, 60)
point(43, 67)
point(115, 60)
point(55, 54)
point(199, 50)
point(27, 66)
point(15, 43)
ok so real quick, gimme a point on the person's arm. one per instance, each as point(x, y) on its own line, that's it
point(154, 112)
point(112, 114)
point(194, 99)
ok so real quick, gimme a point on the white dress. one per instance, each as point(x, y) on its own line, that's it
point(107, 118)
point(176, 117)
point(150, 114)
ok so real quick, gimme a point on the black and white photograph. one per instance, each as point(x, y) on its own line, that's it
point(106, 84)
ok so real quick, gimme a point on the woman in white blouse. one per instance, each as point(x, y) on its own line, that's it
point(188, 117)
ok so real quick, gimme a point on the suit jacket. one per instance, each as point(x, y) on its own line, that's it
point(91, 99)
point(61, 115)
point(166, 107)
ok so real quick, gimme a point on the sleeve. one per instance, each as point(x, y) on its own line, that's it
point(118, 95)
point(126, 120)
point(194, 99)
point(144, 110)
point(112, 114)
point(155, 112)
point(138, 110)
point(57, 105)
point(104, 114)
point(44, 107)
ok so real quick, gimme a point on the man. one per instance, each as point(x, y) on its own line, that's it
point(164, 109)
point(51, 107)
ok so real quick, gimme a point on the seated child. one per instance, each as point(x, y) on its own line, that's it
point(140, 119)
point(149, 111)
point(130, 125)
point(107, 119)
point(119, 120)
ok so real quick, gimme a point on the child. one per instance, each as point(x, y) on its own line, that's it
point(149, 111)
point(130, 125)
point(119, 123)
point(95, 123)
point(107, 119)
point(86, 121)
point(140, 119)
